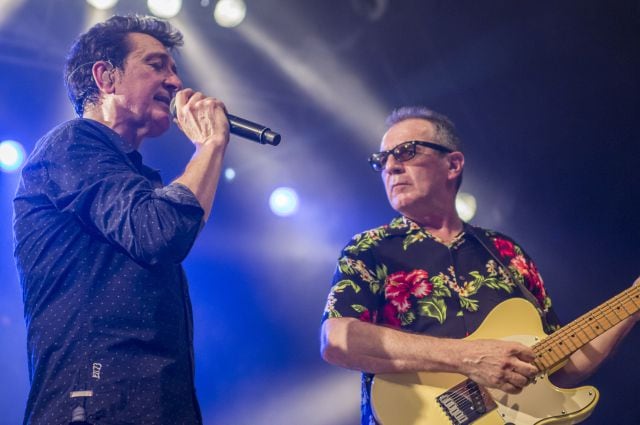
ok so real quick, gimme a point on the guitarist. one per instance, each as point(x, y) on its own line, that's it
point(406, 293)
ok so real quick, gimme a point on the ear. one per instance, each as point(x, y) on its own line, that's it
point(103, 76)
point(456, 164)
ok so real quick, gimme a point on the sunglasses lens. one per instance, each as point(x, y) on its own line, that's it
point(405, 151)
point(377, 161)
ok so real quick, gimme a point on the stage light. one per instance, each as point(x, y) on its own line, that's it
point(466, 206)
point(283, 201)
point(11, 155)
point(102, 4)
point(229, 13)
point(164, 8)
point(229, 174)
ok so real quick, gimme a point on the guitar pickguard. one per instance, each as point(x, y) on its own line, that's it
point(541, 402)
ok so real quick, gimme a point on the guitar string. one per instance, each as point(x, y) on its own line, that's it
point(610, 311)
point(612, 306)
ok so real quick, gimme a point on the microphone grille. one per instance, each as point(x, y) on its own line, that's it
point(172, 107)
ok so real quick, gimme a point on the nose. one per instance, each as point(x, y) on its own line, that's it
point(393, 166)
point(173, 83)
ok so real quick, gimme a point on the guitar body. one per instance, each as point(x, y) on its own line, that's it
point(440, 398)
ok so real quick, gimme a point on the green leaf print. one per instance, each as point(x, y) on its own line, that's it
point(407, 318)
point(492, 282)
point(334, 314)
point(366, 240)
point(343, 284)
point(413, 238)
point(440, 288)
point(357, 267)
point(345, 266)
point(359, 308)
point(495, 283)
point(435, 308)
point(441, 292)
point(469, 304)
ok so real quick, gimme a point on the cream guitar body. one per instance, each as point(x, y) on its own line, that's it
point(451, 399)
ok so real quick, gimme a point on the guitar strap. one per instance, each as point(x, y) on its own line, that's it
point(483, 239)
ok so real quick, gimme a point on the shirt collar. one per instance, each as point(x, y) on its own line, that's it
point(402, 225)
point(119, 143)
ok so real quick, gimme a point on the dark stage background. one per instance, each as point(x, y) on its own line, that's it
point(545, 95)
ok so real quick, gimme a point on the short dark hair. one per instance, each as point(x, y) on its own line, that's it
point(106, 41)
point(446, 132)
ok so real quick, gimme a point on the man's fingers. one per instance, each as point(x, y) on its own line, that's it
point(525, 369)
point(183, 96)
point(510, 388)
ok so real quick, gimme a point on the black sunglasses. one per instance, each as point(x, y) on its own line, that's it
point(403, 152)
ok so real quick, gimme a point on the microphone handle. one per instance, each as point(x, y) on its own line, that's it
point(252, 131)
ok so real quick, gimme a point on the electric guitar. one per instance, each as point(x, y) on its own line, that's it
point(452, 399)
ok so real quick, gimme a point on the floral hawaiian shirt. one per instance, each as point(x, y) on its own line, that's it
point(402, 276)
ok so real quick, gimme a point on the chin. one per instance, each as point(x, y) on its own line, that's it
point(401, 202)
point(159, 126)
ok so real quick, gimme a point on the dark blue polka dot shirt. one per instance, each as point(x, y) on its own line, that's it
point(98, 244)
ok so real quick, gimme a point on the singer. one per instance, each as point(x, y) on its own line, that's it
point(99, 238)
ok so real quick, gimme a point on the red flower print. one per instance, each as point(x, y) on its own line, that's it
point(390, 316)
point(520, 264)
point(531, 276)
point(366, 316)
point(535, 284)
point(400, 285)
point(504, 247)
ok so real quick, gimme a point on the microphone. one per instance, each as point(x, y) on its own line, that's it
point(244, 128)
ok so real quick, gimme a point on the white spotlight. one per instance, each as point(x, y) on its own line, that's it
point(466, 206)
point(11, 155)
point(164, 8)
point(230, 13)
point(229, 174)
point(283, 201)
point(102, 4)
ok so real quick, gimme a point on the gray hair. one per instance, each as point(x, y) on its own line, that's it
point(445, 129)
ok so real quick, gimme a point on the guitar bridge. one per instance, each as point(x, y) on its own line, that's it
point(465, 403)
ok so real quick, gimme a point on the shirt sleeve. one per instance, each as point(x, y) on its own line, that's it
point(93, 181)
point(357, 286)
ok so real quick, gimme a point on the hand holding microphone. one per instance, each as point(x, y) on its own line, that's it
point(241, 127)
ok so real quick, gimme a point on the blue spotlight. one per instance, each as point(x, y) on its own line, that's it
point(229, 174)
point(11, 155)
point(283, 201)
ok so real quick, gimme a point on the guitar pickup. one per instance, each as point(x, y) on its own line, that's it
point(465, 403)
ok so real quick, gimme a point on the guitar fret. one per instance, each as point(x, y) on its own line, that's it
point(569, 342)
point(622, 311)
point(564, 342)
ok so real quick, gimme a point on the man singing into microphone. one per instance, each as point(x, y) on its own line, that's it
point(99, 239)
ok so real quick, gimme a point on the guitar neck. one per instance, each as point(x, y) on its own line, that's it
point(558, 346)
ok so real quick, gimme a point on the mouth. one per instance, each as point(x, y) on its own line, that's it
point(164, 99)
point(399, 184)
